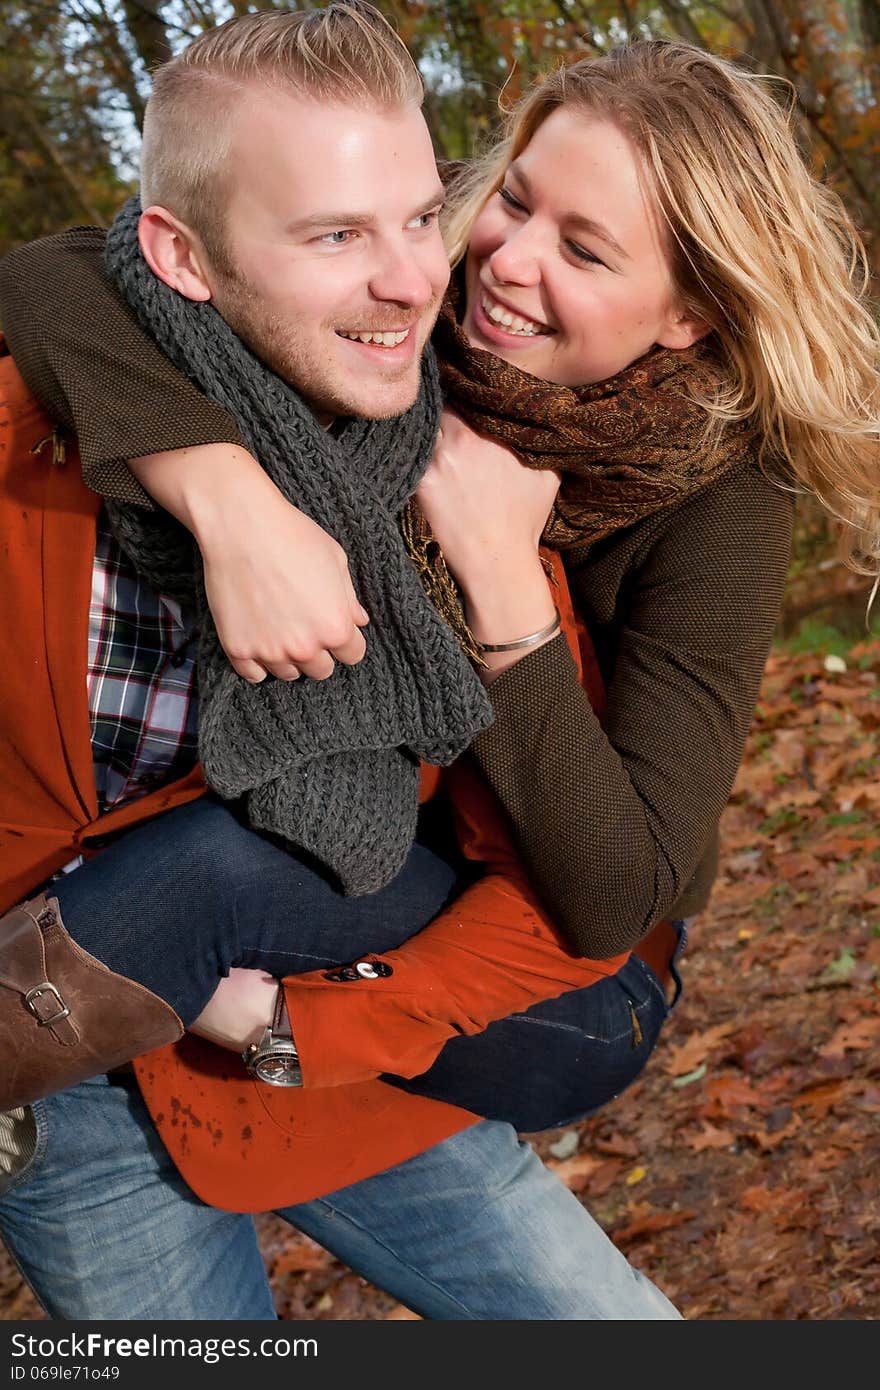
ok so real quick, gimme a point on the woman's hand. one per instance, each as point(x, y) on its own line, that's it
point(278, 586)
point(487, 511)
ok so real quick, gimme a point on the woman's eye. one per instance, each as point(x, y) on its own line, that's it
point(582, 254)
point(507, 197)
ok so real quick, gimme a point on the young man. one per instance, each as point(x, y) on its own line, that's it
point(274, 140)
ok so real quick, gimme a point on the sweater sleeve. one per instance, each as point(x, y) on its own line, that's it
point(612, 821)
point(93, 368)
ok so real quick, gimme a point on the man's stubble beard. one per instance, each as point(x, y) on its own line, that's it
point(310, 373)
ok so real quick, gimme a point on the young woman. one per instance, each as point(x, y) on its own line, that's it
point(656, 304)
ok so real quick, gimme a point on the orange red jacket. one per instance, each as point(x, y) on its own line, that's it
point(241, 1144)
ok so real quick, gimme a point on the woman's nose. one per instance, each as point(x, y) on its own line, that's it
point(517, 260)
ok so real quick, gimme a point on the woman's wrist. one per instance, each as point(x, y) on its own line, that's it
point(515, 606)
point(525, 643)
point(499, 657)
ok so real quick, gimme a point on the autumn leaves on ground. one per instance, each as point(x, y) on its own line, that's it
point(741, 1171)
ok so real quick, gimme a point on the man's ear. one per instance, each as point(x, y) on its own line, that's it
point(173, 253)
point(682, 330)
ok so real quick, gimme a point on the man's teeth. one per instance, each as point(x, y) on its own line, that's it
point(380, 339)
point(513, 323)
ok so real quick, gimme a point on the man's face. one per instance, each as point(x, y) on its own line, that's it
point(332, 233)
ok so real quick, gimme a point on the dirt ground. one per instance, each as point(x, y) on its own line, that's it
point(740, 1171)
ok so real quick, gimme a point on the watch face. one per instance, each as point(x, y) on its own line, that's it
point(279, 1070)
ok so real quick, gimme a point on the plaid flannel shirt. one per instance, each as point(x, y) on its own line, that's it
point(141, 680)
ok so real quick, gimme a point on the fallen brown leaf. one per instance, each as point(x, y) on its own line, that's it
point(856, 1036)
point(688, 1056)
point(645, 1225)
point(820, 1099)
point(711, 1138)
point(576, 1172)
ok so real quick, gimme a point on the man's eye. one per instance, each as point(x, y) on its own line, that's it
point(424, 219)
point(507, 197)
point(336, 238)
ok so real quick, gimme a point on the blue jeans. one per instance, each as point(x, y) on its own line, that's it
point(103, 1227)
point(176, 902)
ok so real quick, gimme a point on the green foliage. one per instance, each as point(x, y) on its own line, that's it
point(845, 818)
point(786, 818)
point(839, 971)
point(824, 638)
point(820, 638)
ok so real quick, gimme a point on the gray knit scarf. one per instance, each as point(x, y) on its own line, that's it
point(330, 766)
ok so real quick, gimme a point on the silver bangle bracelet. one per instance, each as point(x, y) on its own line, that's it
point(522, 643)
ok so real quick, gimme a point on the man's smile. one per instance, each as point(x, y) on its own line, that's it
point(377, 338)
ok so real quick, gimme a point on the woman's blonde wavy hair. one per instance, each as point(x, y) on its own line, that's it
point(758, 249)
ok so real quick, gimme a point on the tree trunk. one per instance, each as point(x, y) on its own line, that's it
point(148, 30)
point(869, 15)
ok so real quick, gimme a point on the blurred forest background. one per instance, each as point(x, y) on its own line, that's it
point(74, 79)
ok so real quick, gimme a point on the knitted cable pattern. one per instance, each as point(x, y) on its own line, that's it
point(329, 766)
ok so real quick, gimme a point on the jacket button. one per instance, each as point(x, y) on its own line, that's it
point(361, 970)
point(373, 969)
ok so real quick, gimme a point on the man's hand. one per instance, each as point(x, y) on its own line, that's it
point(278, 586)
point(238, 1011)
point(281, 595)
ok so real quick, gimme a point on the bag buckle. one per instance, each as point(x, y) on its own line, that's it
point(38, 991)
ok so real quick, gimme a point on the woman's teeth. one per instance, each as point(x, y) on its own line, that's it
point(512, 323)
point(380, 339)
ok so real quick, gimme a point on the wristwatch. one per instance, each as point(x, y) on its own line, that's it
point(274, 1059)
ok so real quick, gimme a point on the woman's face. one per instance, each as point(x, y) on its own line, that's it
point(566, 273)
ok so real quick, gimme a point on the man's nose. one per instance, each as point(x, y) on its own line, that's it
point(517, 261)
point(400, 278)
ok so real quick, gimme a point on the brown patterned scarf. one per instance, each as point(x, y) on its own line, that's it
point(626, 447)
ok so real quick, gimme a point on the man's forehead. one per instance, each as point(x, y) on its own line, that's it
point(331, 122)
point(333, 163)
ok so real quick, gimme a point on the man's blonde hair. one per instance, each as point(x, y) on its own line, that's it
point(758, 248)
point(345, 54)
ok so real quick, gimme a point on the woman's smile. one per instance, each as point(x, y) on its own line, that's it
point(507, 319)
